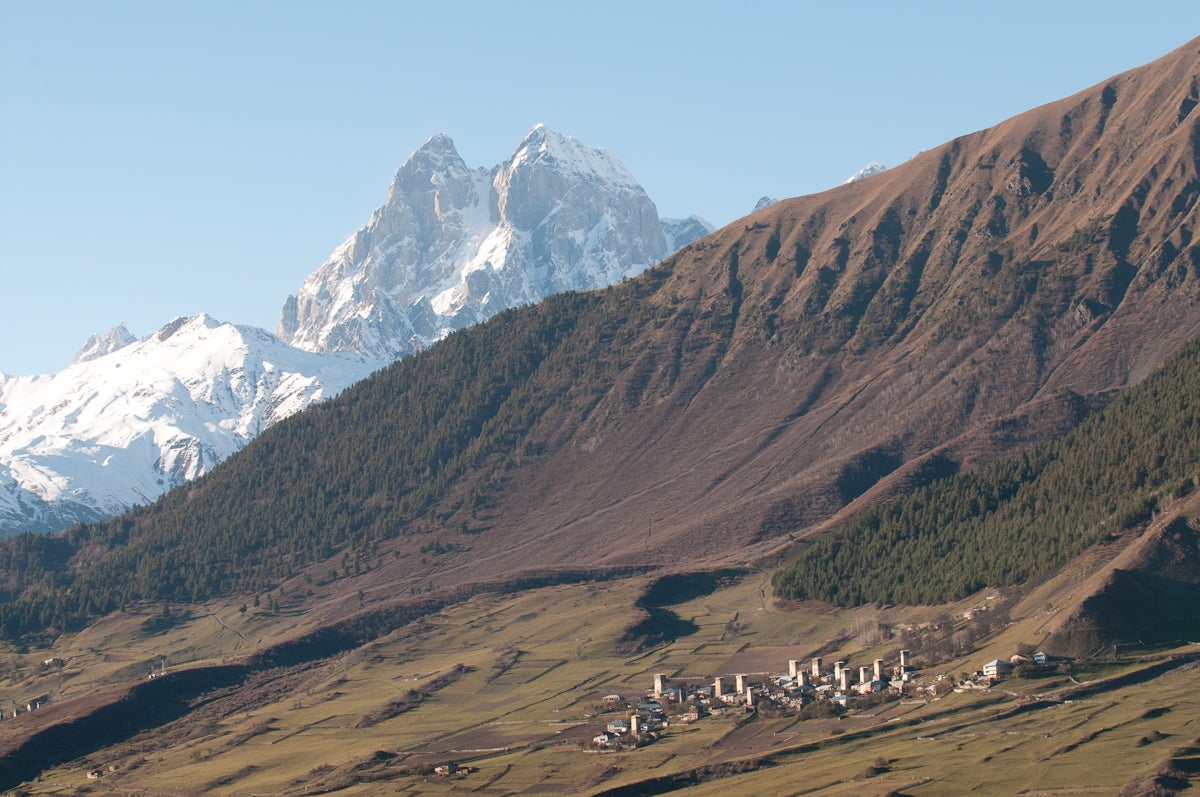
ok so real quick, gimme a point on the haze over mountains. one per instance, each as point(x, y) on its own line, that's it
point(451, 246)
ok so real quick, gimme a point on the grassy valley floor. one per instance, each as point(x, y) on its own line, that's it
point(510, 687)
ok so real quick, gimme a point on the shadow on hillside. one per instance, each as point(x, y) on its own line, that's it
point(1144, 609)
point(661, 625)
point(154, 703)
point(147, 705)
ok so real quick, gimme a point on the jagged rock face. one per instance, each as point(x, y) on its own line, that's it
point(454, 245)
point(129, 419)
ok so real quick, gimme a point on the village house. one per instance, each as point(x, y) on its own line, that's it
point(996, 668)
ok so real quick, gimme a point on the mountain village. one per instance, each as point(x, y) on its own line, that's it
point(828, 688)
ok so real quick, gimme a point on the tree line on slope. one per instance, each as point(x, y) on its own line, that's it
point(1021, 518)
point(402, 452)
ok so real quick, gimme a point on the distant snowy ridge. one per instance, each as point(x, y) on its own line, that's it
point(453, 246)
point(874, 167)
point(122, 426)
point(99, 345)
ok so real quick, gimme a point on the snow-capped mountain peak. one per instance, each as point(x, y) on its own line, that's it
point(436, 163)
point(439, 145)
point(568, 155)
point(874, 167)
point(454, 245)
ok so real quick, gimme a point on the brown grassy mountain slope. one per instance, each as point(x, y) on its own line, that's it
point(830, 348)
point(968, 295)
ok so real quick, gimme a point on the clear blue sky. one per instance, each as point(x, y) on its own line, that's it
point(167, 158)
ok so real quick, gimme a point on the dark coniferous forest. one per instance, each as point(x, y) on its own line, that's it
point(1021, 518)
